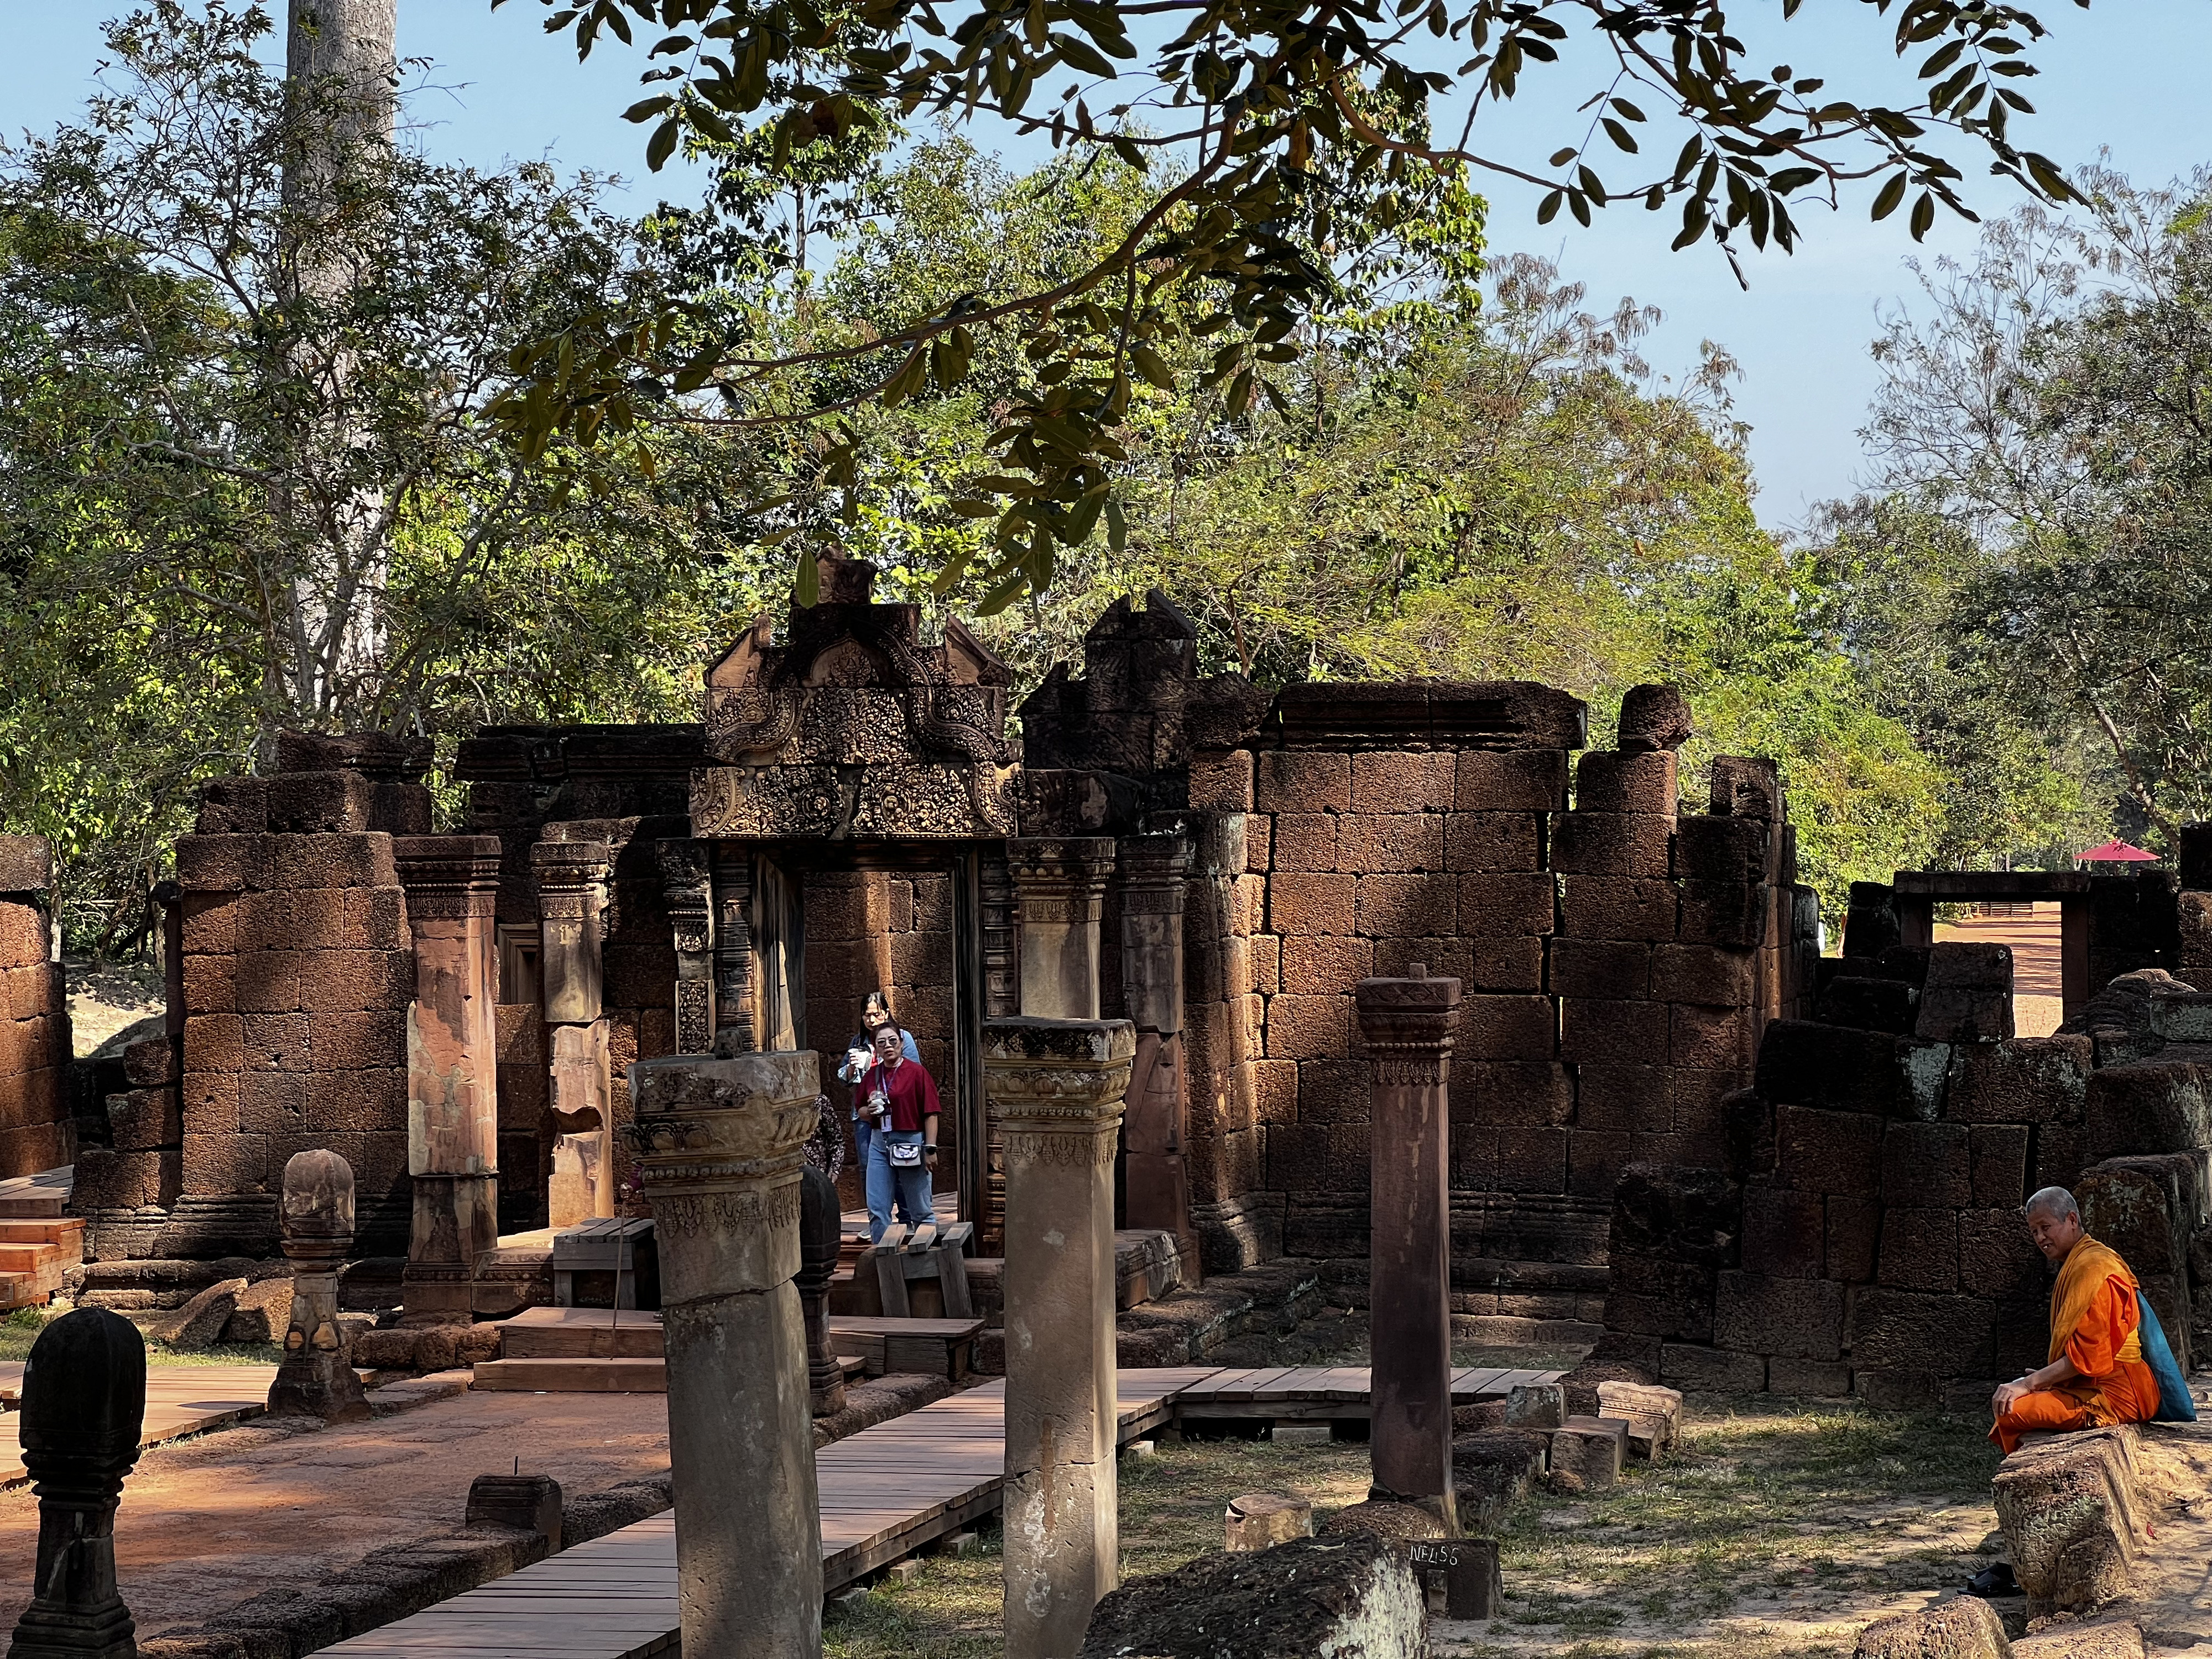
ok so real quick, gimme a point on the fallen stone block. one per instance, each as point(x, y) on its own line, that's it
point(1587, 1453)
point(1536, 1405)
point(526, 1503)
point(1350, 1596)
point(263, 1312)
point(2068, 1509)
point(200, 1322)
point(1383, 1517)
point(2068, 1638)
point(1492, 1469)
point(1654, 1415)
point(1581, 1385)
point(1260, 1520)
point(1968, 1628)
point(1459, 1576)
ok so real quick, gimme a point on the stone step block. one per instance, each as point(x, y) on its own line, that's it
point(1588, 1452)
point(1967, 1628)
point(1654, 1415)
point(2072, 1517)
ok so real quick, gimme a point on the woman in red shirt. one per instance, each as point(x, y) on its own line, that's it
point(897, 1098)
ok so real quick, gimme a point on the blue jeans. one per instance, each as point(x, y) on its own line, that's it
point(888, 1181)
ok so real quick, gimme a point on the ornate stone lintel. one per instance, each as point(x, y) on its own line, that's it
point(447, 877)
point(719, 1142)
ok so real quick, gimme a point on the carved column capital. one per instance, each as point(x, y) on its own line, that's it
point(568, 873)
point(719, 1144)
point(447, 876)
point(1154, 869)
point(1056, 1087)
point(1060, 878)
point(1407, 1027)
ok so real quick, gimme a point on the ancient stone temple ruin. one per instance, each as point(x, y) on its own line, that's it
point(1668, 1114)
point(456, 1014)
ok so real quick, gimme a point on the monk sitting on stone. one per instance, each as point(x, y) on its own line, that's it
point(2097, 1375)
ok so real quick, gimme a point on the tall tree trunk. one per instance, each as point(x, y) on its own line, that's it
point(342, 60)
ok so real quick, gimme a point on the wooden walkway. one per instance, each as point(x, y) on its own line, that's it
point(885, 1493)
point(181, 1400)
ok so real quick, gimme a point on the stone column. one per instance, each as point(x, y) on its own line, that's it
point(819, 1230)
point(687, 883)
point(316, 1378)
point(572, 883)
point(1055, 1088)
point(1059, 882)
point(1155, 1189)
point(720, 1142)
point(1406, 1026)
point(84, 1403)
point(451, 883)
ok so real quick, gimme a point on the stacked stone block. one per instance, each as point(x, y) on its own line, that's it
point(34, 1023)
point(1619, 958)
point(296, 973)
point(1876, 1173)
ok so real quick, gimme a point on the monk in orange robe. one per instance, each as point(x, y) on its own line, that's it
point(2096, 1375)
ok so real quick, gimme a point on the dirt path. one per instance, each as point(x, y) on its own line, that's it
point(206, 1523)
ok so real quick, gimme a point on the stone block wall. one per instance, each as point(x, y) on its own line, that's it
point(1619, 957)
point(34, 1023)
point(888, 930)
point(1864, 1235)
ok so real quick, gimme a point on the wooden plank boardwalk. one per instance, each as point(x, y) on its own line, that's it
point(885, 1493)
point(181, 1400)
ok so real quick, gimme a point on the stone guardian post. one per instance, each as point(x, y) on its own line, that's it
point(84, 1402)
point(451, 883)
point(1055, 1088)
point(1406, 1026)
point(720, 1142)
point(316, 1378)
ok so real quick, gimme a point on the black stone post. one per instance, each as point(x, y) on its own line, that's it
point(818, 1227)
point(84, 1403)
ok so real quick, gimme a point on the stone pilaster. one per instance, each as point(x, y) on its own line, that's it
point(1406, 1027)
point(451, 883)
point(820, 1228)
point(733, 949)
point(84, 1403)
point(1156, 1192)
point(1055, 1089)
point(687, 884)
point(572, 890)
point(1059, 884)
point(315, 1378)
point(720, 1143)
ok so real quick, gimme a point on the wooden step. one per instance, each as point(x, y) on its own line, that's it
point(581, 1333)
point(931, 1347)
point(574, 1375)
point(67, 1233)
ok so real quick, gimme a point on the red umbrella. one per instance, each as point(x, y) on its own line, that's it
point(2116, 852)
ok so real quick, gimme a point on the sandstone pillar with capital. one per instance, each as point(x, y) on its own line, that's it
point(1055, 1088)
point(451, 883)
point(1406, 1027)
point(1155, 1189)
point(720, 1142)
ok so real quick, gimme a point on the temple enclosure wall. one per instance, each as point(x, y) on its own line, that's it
point(35, 1130)
point(1669, 1116)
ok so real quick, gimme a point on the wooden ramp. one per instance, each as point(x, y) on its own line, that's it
point(885, 1493)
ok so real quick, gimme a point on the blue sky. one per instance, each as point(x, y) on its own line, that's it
point(2123, 77)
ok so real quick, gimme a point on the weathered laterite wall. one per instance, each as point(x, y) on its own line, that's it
point(35, 1024)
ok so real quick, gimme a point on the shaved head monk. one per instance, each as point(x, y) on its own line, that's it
point(2096, 1375)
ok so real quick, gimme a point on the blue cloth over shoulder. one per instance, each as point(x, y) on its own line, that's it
point(2174, 1403)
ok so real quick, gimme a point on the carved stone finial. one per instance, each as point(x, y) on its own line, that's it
point(818, 1241)
point(316, 1378)
point(84, 1403)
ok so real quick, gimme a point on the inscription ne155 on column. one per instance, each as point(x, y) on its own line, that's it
point(1459, 1576)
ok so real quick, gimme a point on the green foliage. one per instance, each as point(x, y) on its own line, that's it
point(239, 491)
point(1287, 157)
point(2050, 481)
